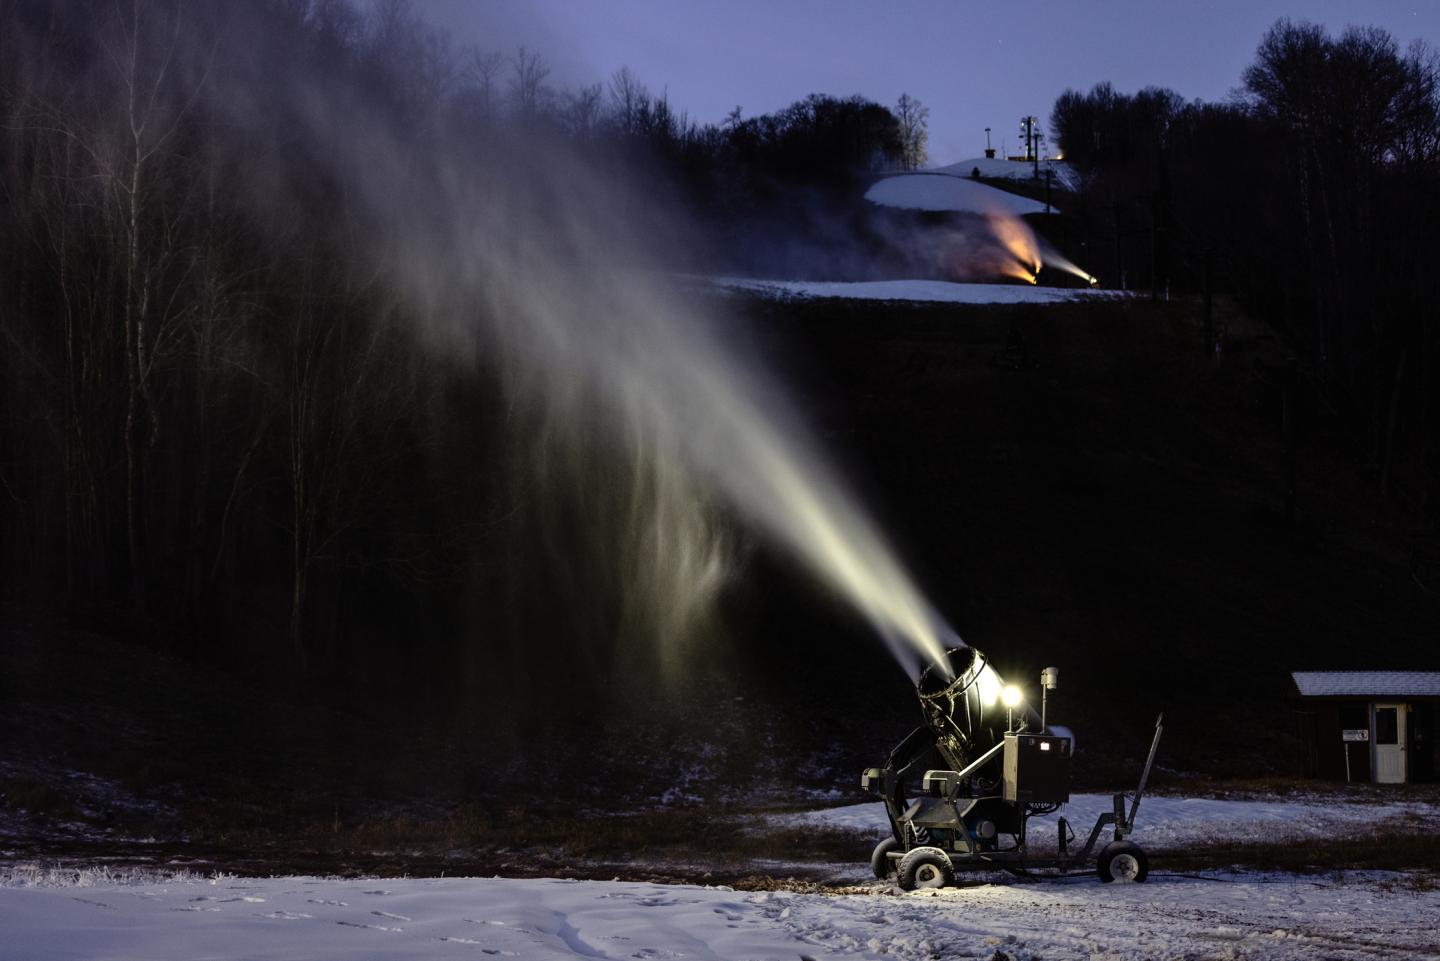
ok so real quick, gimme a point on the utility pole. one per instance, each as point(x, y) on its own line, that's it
point(1155, 246)
point(1209, 304)
point(989, 150)
point(1119, 263)
point(1292, 377)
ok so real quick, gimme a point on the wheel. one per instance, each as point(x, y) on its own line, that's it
point(880, 861)
point(925, 868)
point(1122, 861)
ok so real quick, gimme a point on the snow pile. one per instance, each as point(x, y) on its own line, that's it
point(356, 920)
point(1168, 822)
point(926, 291)
point(938, 191)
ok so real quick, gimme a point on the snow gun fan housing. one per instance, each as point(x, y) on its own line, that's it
point(963, 706)
point(960, 789)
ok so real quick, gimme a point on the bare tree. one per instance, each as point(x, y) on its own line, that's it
point(913, 117)
point(527, 84)
point(143, 50)
point(629, 101)
point(582, 112)
point(481, 72)
point(348, 388)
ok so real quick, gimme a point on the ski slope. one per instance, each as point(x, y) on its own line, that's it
point(1062, 173)
point(1246, 916)
point(925, 291)
point(945, 192)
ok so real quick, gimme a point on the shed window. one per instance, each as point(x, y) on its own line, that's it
point(1387, 726)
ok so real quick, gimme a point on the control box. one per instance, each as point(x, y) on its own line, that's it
point(1037, 768)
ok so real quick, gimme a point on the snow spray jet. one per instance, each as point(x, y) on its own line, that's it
point(981, 248)
point(1054, 258)
point(541, 256)
point(1022, 261)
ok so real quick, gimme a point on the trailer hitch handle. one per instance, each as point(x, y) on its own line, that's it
point(1145, 774)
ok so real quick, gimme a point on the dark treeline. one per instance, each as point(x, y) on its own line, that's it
point(1311, 196)
point(222, 430)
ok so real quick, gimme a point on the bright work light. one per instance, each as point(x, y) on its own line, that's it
point(1011, 696)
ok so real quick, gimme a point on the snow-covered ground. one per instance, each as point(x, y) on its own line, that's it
point(1169, 822)
point(1255, 917)
point(929, 291)
point(50, 915)
point(943, 191)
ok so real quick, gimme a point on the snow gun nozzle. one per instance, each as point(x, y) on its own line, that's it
point(938, 677)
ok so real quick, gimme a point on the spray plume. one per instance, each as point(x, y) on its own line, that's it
point(1053, 258)
point(543, 257)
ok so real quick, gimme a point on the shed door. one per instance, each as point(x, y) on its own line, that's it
point(1389, 743)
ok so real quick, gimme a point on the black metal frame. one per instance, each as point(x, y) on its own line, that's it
point(917, 748)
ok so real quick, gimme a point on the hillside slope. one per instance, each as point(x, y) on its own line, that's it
point(1073, 484)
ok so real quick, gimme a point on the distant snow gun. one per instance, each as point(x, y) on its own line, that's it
point(961, 788)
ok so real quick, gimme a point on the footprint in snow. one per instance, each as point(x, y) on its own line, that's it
point(287, 916)
point(392, 917)
point(370, 927)
point(649, 900)
point(336, 904)
point(378, 891)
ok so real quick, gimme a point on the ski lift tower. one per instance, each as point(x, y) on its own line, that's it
point(1030, 130)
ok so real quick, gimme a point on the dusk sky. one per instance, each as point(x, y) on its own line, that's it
point(975, 65)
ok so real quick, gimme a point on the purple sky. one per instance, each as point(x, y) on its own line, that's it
point(974, 64)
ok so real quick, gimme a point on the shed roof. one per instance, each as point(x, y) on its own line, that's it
point(1367, 683)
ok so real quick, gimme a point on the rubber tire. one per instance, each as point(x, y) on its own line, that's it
point(1133, 864)
point(922, 867)
point(880, 862)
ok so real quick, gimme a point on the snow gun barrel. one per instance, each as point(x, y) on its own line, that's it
point(969, 707)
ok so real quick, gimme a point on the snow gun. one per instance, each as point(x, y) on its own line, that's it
point(961, 788)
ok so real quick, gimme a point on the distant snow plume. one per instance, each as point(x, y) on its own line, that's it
point(632, 403)
point(986, 239)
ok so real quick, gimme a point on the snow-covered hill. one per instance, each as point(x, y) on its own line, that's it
point(928, 291)
point(1064, 175)
point(939, 191)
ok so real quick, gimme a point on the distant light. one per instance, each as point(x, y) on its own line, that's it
point(1094, 281)
point(1011, 696)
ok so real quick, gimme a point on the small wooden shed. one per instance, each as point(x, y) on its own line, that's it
point(1377, 726)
